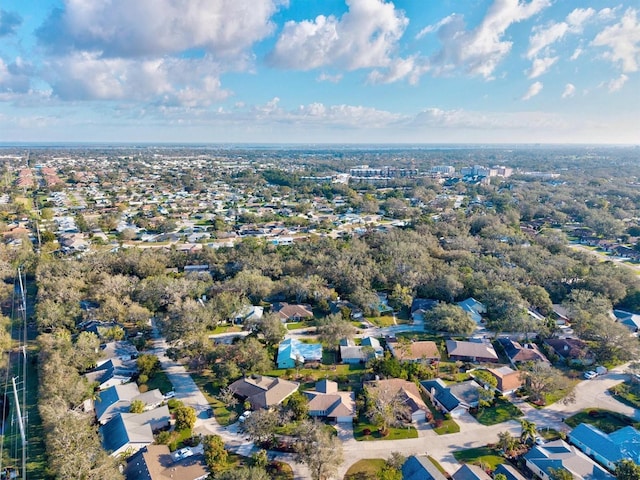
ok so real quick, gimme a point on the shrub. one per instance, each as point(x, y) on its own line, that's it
point(143, 388)
point(366, 432)
point(439, 422)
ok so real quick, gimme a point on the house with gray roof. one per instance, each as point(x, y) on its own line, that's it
point(262, 391)
point(419, 467)
point(521, 353)
point(117, 399)
point(607, 448)
point(129, 432)
point(292, 351)
point(628, 319)
point(474, 309)
point(476, 351)
point(559, 454)
point(369, 348)
point(454, 399)
point(155, 462)
point(470, 472)
point(326, 401)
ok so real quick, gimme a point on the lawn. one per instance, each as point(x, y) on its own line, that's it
point(502, 411)
point(605, 420)
point(161, 381)
point(224, 329)
point(366, 469)
point(627, 392)
point(442, 425)
point(394, 433)
point(483, 456)
point(299, 325)
point(223, 414)
point(383, 321)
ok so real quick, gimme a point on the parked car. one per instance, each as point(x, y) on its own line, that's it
point(590, 374)
point(600, 370)
point(169, 395)
point(183, 453)
point(540, 441)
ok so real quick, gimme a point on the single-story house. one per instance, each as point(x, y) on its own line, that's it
point(155, 462)
point(327, 402)
point(521, 353)
point(353, 354)
point(607, 448)
point(471, 351)
point(470, 472)
point(419, 467)
point(508, 471)
point(262, 391)
point(628, 319)
point(474, 309)
point(559, 454)
point(292, 313)
point(408, 391)
point(129, 432)
point(122, 349)
point(422, 351)
point(248, 313)
point(292, 351)
point(560, 314)
point(420, 306)
point(113, 371)
point(508, 379)
point(455, 398)
point(117, 399)
point(572, 350)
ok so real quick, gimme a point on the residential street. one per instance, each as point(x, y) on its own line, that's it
point(589, 394)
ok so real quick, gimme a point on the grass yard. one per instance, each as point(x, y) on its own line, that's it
point(384, 321)
point(299, 325)
point(442, 425)
point(225, 329)
point(605, 420)
point(161, 381)
point(223, 414)
point(484, 456)
point(366, 469)
point(394, 433)
point(502, 411)
point(627, 392)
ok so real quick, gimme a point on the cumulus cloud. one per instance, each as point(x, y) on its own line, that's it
point(365, 36)
point(9, 22)
point(533, 90)
point(622, 41)
point(569, 90)
point(15, 76)
point(87, 76)
point(617, 83)
point(541, 65)
point(480, 50)
point(122, 28)
point(411, 68)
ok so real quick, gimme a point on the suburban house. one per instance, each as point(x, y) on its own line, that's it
point(113, 371)
point(454, 399)
point(292, 313)
point(508, 471)
point(126, 433)
point(263, 392)
point(292, 351)
point(155, 462)
point(248, 313)
point(628, 319)
point(122, 349)
point(521, 353)
point(408, 391)
point(470, 472)
point(559, 454)
point(573, 350)
point(480, 351)
point(607, 448)
point(474, 309)
point(419, 467)
point(117, 399)
point(327, 402)
point(560, 314)
point(423, 351)
point(508, 379)
point(420, 306)
point(353, 354)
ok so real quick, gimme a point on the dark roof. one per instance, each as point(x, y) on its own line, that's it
point(420, 468)
point(508, 471)
point(470, 472)
point(422, 304)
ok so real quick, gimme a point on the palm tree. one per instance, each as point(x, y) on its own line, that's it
point(528, 431)
point(506, 442)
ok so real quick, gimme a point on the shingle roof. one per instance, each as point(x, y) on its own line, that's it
point(470, 472)
point(114, 400)
point(559, 454)
point(420, 468)
point(262, 391)
point(508, 471)
point(471, 349)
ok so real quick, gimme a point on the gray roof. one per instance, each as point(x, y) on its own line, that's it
point(114, 400)
point(471, 349)
point(420, 468)
point(559, 454)
point(470, 472)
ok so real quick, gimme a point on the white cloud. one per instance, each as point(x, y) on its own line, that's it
point(465, 119)
point(623, 41)
point(617, 83)
point(533, 90)
point(569, 90)
point(171, 81)
point(541, 65)
point(15, 76)
point(434, 28)
point(411, 68)
point(325, 77)
point(544, 37)
point(578, 16)
point(577, 52)
point(366, 36)
point(480, 50)
point(607, 13)
point(141, 28)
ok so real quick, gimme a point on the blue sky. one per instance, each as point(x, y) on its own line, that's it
point(320, 71)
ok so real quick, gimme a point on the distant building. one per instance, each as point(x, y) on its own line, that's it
point(444, 170)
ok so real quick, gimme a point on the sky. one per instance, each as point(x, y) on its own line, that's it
point(320, 71)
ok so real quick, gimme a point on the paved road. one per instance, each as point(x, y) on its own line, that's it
point(623, 262)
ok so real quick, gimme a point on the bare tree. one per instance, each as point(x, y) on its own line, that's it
point(319, 449)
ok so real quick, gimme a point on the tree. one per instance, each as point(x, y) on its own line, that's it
point(298, 405)
point(185, 417)
point(506, 442)
point(505, 308)
point(386, 407)
point(270, 326)
point(215, 455)
point(244, 473)
point(148, 364)
point(400, 297)
point(560, 474)
point(500, 476)
point(260, 426)
point(137, 406)
point(334, 328)
point(627, 469)
point(319, 449)
point(529, 431)
point(445, 317)
point(228, 397)
point(486, 390)
point(541, 379)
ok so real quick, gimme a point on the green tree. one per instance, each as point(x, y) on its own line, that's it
point(386, 407)
point(148, 364)
point(449, 318)
point(334, 328)
point(261, 425)
point(560, 474)
point(185, 417)
point(137, 406)
point(627, 469)
point(215, 455)
point(528, 433)
point(506, 442)
point(298, 405)
point(319, 449)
